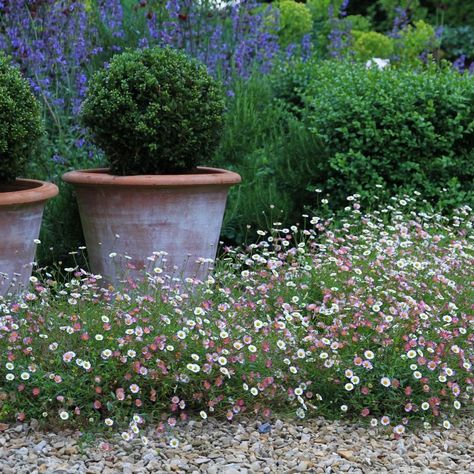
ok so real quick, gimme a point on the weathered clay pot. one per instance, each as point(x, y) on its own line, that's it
point(138, 215)
point(21, 210)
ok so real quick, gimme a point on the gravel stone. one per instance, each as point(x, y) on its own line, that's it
point(314, 446)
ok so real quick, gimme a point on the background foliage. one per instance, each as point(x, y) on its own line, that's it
point(401, 130)
point(266, 54)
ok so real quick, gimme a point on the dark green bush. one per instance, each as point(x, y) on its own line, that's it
point(457, 41)
point(395, 130)
point(154, 111)
point(20, 121)
point(61, 230)
point(452, 12)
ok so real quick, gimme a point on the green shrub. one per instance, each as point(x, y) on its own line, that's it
point(457, 41)
point(320, 8)
point(415, 40)
point(20, 121)
point(255, 128)
point(273, 152)
point(295, 21)
point(373, 45)
point(358, 23)
point(154, 111)
point(400, 130)
point(61, 230)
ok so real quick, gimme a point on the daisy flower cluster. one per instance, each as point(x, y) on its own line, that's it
point(369, 317)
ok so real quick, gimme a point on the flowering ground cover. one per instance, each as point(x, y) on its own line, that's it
point(369, 318)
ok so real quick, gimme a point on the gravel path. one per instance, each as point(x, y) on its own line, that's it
point(315, 446)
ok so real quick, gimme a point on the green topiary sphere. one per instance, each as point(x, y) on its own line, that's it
point(154, 111)
point(20, 121)
point(373, 45)
point(295, 22)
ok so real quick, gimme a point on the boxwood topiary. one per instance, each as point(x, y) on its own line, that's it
point(154, 111)
point(20, 121)
point(372, 45)
point(295, 22)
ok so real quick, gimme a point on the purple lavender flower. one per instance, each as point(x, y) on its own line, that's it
point(306, 47)
point(111, 14)
point(343, 9)
point(58, 159)
point(400, 21)
point(460, 63)
point(290, 50)
point(340, 35)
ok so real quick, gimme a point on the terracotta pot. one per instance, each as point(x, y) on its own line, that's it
point(138, 215)
point(21, 211)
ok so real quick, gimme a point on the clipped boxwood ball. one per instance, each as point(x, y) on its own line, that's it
point(154, 111)
point(372, 44)
point(20, 121)
point(296, 21)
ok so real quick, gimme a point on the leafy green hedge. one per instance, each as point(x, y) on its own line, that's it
point(395, 130)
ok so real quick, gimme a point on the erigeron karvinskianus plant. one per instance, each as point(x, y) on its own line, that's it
point(20, 121)
point(154, 111)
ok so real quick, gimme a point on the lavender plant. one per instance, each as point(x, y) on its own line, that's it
point(339, 37)
point(51, 41)
point(56, 41)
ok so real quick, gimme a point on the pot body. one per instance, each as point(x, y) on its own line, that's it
point(127, 221)
point(21, 211)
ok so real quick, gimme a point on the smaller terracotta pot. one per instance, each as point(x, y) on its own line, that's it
point(21, 211)
point(139, 215)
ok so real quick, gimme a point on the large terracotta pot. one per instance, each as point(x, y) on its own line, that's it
point(21, 211)
point(138, 215)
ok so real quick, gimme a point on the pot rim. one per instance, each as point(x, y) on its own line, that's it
point(100, 176)
point(31, 191)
